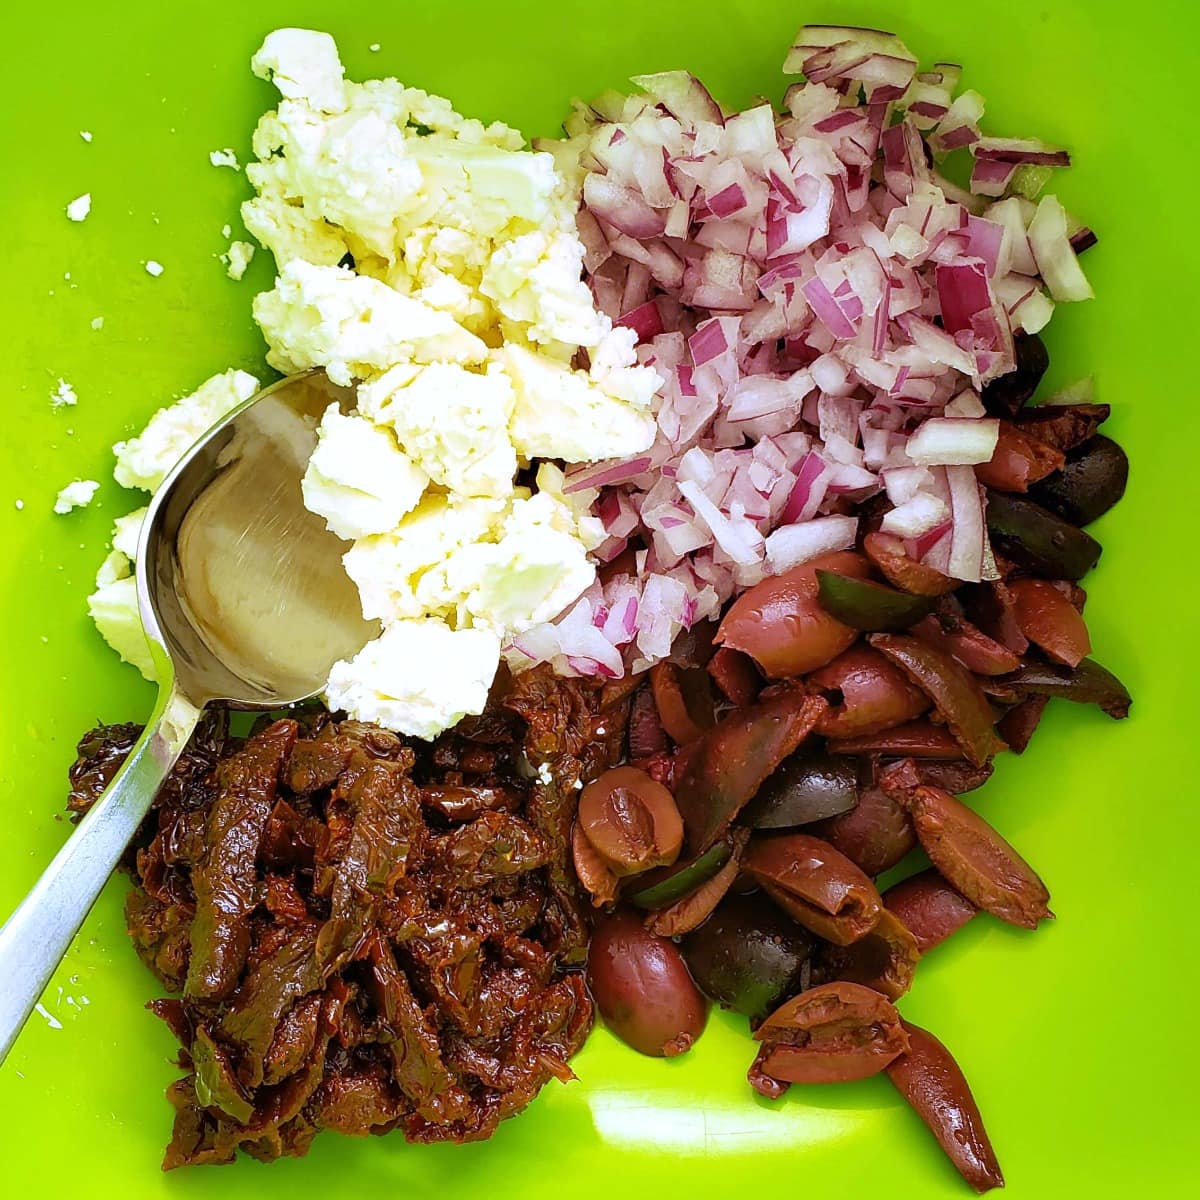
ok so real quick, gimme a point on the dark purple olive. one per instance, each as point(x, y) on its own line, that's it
point(808, 786)
point(642, 988)
point(748, 956)
point(1006, 395)
point(1089, 484)
point(1038, 540)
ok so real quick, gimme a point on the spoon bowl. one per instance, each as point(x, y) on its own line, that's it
point(244, 602)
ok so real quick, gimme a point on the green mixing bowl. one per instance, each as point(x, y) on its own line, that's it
point(1076, 1039)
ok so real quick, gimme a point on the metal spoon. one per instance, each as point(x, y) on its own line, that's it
point(245, 603)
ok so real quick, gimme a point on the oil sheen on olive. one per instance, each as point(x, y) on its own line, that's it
point(1038, 540)
point(808, 786)
point(1090, 483)
point(748, 956)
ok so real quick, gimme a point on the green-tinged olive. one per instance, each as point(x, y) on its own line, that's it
point(1088, 683)
point(1089, 484)
point(657, 889)
point(642, 988)
point(1063, 426)
point(917, 739)
point(869, 606)
point(1006, 395)
point(748, 956)
point(809, 786)
point(952, 688)
point(1038, 540)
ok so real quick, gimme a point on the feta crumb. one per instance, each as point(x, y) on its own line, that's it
point(418, 677)
point(79, 208)
point(85, 134)
point(113, 606)
point(97, 322)
point(146, 460)
point(154, 268)
point(224, 158)
point(358, 479)
point(63, 395)
point(578, 785)
point(76, 495)
point(19, 504)
point(126, 532)
point(374, 47)
point(304, 65)
point(227, 230)
point(237, 259)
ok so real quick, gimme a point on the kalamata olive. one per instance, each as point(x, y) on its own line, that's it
point(736, 676)
point(866, 694)
point(1018, 461)
point(876, 834)
point(1007, 394)
point(1038, 540)
point(887, 552)
point(689, 911)
point(630, 820)
point(917, 739)
point(929, 907)
point(967, 643)
point(1049, 620)
point(646, 734)
point(1063, 426)
point(642, 988)
point(683, 697)
point(809, 786)
point(1016, 727)
point(869, 606)
point(591, 870)
point(748, 956)
point(1088, 683)
point(884, 960)
point(953, 777)
point(780, 622)
point(1090, 483)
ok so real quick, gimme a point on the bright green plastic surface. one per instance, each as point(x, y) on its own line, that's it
point(1079, 1040)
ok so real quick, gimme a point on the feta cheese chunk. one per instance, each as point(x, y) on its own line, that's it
point(79, 208)
point(75, 495)
point(126, 532)
point(358, 479)
point(561, 413)
point(224, 158)
point(452, 421)
point(63, 396)
point(146, 460)
point(417, 677)
point(237, 259)
point(113, 607)
point(353, 325)
point(304, 65)
point(401, 574)
point(289, 232)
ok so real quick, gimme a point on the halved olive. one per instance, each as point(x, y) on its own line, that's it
point(809, 786)
point(1063, 426)
point(1088, 683)
point(869, 606)
point(1038, 540)
point(1089, 484)
point(748, 956)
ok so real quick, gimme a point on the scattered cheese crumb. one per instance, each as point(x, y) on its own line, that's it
point(224, 158)
point(154, 268)
point(20, 504)
point(79, 207)
point(237, 258)
point(85, 134)
point(227, 230)
point(374, 47)
point(76, 495)
point(64, 395)
point(97, 322)
point(51, 1020)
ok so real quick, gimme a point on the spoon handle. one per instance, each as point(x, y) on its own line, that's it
point(36, 936)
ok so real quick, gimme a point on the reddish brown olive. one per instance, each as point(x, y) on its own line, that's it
point(642, 988)
point(780, 622)
point(929, 907)
point(875, 835)
point(866, 694)
point(1018, 461)
point(887, 552)
point(1049, 620)
point(630, 820)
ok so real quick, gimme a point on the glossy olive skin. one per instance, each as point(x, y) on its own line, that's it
point(888, 554)
point(1049, 620)
point(1063, 426)
point(642, 988)
point(748, 956)
point(630, 820)
point(866, 693)
point(809, 786)
point(869, 606)
point(780, 622)
point(1006, 395)
point(876, 834)
point(1089, 484)
point(1038, 540)
point(1088, 683)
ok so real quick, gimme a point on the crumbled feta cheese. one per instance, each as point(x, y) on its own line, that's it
point(454, 422)
point(63, 396)
point(224, 158)
point(353, 325)
point(561, 413)
point(358, 479)
point(85, 134)
point(97, 323)
point(227, 230)
point(76, 495)
point(304, 65)
point(418, 676)
point(19, 504)
point(289, 232)
point(79, 208)
point(374, 47)
point(237, 259)
point(113, 607)
point(146, 460)
point(154, 268)
point(126, 532)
